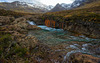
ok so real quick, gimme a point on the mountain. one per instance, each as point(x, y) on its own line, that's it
point(66, 6)
point(58, 7)
point(78, 3)
point(75, 4)
point(25, 6)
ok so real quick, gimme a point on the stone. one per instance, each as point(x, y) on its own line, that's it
point(0, 24)
point(83, 58)
point(6, 20)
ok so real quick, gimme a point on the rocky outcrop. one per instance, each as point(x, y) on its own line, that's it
point(83, 58)
point(20, 44)
point(21, 24)
point(6, 20)
point(78, 27)
point(36, 18)
point(25, 41)
point(86, 28)
point(54, 24)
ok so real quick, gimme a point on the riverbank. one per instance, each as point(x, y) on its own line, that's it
point(42, 44)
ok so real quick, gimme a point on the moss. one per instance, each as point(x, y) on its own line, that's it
point(5, 41)
point(20, 51)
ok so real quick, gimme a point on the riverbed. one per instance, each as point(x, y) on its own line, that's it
point(61, 40)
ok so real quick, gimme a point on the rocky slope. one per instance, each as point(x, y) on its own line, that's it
point(58, 7)
point(83, 21)
point(75, 4)
point(17, 46)
point(23, 7)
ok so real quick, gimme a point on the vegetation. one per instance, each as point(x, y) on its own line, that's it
point(8, 48)
point(85, 14)
point(10, 13)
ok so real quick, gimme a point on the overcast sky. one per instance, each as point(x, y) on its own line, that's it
point(54, 2)
point(47, 2)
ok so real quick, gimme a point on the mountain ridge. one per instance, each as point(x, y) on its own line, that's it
point(75, 4)
point(25, 7)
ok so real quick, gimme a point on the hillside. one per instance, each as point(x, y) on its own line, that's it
point(81, 20)
point(90, 5)
point(70, 36)
point(88, 9)
point(20, 7)
point(12, 13)
point(75, 4)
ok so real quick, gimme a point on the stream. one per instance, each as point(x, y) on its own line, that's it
point(52, 37)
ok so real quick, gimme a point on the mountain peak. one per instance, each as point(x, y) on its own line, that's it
point(58, 7)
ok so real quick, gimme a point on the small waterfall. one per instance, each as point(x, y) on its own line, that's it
point(31, 22)
point(53, 36)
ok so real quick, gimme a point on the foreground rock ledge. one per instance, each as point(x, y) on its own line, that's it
point(83, 58)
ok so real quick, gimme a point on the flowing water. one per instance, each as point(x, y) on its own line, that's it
point(55, 36)
point(52, 36)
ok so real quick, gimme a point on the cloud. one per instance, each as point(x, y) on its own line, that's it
point(47, 2)
point(29, 1)
point(54, 2)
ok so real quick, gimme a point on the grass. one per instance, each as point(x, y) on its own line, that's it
point(11, 13)
point(87, 14)
point(5, 40)
point(8, 48)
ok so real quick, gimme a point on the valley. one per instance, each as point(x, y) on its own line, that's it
point(42, 36)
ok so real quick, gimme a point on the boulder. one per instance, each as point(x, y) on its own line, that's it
point(83, 58)
point(6, 20)
point(33, 27)
point(89, 29)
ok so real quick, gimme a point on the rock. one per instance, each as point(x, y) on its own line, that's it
point(95, 49)
point(28, 42)
point(36, 18)
point(18, 20)
point(0, 24)
point(85, 28)
point(83, 58)
point(33, 27)
point(6, 20)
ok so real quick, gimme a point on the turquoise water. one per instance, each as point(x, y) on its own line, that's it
point(52, 36)
point(55, 36)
